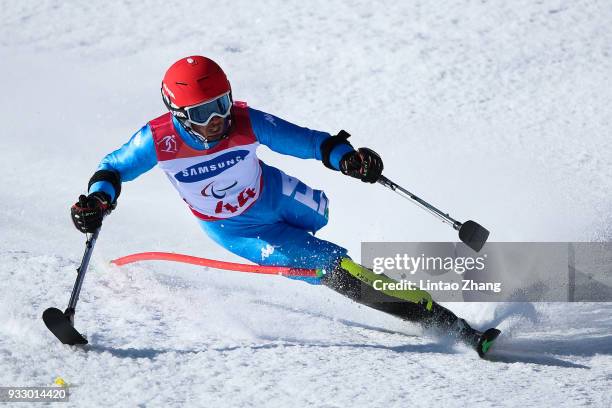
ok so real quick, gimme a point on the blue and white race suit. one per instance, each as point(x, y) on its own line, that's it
point(254, 210)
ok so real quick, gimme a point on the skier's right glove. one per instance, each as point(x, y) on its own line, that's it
point(88, 212)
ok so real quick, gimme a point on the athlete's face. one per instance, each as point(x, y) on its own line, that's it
point(213, 130)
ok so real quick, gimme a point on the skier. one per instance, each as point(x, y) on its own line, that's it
point(206, 144)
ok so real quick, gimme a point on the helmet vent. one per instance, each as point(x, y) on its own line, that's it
point(181, 83)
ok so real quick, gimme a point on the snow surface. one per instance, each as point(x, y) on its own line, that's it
point(496, 111)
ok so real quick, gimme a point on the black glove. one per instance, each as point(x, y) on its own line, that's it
point(88, 212)
point(364, 164)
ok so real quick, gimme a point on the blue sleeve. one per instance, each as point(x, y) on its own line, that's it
point(287, 138)
point(131, 160)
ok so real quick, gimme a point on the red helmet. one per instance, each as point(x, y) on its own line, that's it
point(192, 80)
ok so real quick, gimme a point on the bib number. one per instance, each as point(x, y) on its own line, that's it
point(244, 197)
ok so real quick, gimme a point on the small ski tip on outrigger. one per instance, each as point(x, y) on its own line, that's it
point(486, 341)
point(61, 325)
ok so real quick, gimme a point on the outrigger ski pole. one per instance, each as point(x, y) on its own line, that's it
point(61, 323)
point(471, 233)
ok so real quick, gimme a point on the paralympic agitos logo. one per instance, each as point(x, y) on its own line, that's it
point(211, 168)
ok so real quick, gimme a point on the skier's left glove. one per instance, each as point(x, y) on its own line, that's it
point(364, 164)
point(87, 214)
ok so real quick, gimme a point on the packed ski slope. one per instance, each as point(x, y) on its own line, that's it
point(497, 112)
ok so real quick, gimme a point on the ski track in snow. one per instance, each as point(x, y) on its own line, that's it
point(497, 112)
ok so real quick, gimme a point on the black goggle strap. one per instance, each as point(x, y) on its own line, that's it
point(180, 113)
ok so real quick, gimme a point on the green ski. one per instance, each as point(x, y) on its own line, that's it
point(486, 341)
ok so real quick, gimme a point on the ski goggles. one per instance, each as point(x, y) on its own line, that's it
point(203, 113)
